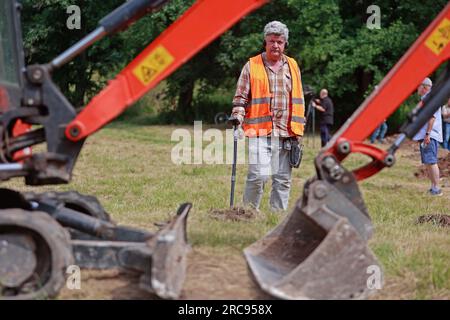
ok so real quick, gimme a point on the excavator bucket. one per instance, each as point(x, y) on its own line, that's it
point(320, 250)
point(169, 259)
point(42, 234)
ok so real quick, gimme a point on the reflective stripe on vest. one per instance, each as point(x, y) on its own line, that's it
point(258, 117)
point(258, 120)
point(297, 100)
point(298, 119)
point(260, 101)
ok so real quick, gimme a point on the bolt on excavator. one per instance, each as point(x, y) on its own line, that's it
point(318, 252)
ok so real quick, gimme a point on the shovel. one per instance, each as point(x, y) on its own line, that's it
point(235, 122)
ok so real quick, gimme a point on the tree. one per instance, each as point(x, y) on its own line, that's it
point(329, 38)
point(46, 35)
point(339, 52)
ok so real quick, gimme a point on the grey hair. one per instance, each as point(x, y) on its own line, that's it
point(427, 82)
point(278, 28)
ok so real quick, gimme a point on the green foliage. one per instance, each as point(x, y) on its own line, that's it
point(329, 39)
point(337, 51)
point(46, 36)
point(206, 106)
point(396, 120)
point(145, 30)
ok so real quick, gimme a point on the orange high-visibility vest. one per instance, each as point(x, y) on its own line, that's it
point(258, 116)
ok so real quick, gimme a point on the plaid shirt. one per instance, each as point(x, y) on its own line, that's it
point(280, 84)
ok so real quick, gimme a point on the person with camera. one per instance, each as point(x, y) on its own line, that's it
point(326, 115)
point(269, 105)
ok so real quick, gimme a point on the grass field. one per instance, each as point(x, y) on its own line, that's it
point(129, 169)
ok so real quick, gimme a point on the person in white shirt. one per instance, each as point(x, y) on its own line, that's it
point(429, 137)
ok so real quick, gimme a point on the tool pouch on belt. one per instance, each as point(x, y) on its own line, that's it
point(295, 151)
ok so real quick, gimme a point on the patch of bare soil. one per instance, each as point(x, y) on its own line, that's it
point(217, 276)
point(444, 168)
point(106, 285)
point(441, 220)
point(210, 275)
point(410, 149)
point(235, 214)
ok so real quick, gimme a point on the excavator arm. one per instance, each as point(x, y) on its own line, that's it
point(427, 53)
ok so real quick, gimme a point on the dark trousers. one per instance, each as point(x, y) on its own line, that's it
point(325, 135)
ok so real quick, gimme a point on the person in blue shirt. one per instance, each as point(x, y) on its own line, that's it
point(379, 133)
point(429, 136)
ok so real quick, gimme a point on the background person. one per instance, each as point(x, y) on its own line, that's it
point(379, 133)
point(429, 137)
point(326, 115)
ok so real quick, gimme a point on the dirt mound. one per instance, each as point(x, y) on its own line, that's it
point(444, 168)
point(441, 220)
point(444, 165)
point(235, 214)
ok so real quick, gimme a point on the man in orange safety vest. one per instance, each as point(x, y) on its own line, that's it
point(269, 105)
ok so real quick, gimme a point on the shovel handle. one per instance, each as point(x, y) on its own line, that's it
point(233, 170)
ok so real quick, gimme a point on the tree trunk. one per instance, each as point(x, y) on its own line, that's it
point(185, 110)
point(364, 79)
